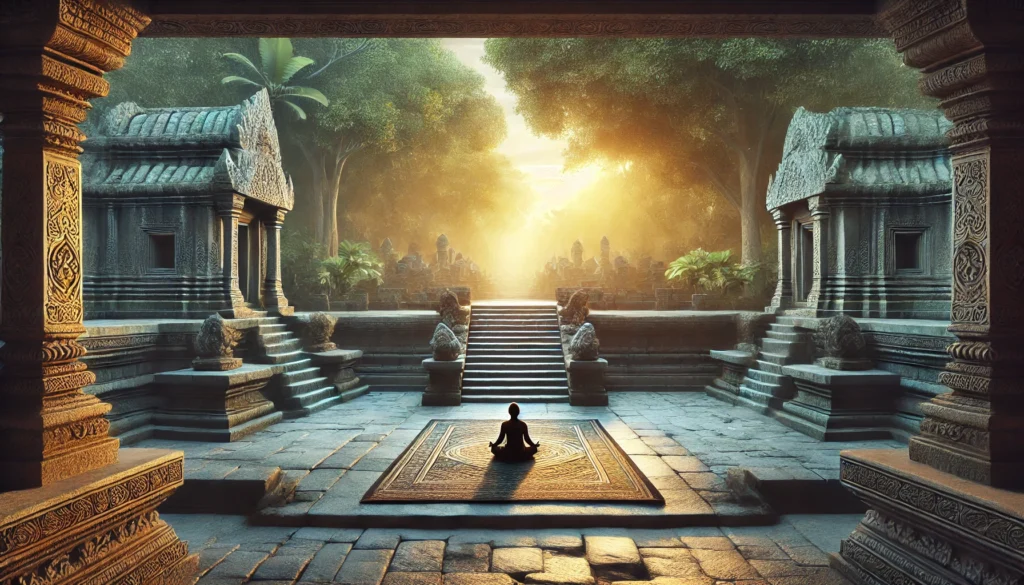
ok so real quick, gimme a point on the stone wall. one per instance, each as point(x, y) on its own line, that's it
point(394, 345)
point(656, 350)
point(126, 354)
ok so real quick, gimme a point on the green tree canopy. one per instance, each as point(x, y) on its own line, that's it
point(695, 111)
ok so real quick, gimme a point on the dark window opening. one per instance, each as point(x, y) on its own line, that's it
point(243, 260)
point(907, 250)
point(163, 250)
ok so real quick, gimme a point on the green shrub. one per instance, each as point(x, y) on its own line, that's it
point(354, 263)
point(710, 272)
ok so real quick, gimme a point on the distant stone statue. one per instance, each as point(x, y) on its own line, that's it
point(442, 251)
point(452, 314)
point(317, 333)
point(575, 312)
point(606, 250)
point(842, 344)
point(215, 346)
point(577, 254)
point(584, 345)
point(516, 436)
point(444, 344)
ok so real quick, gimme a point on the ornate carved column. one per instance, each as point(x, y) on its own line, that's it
point(53, 58)
point(85, 511)
point(783, 297)
point(820, 216)
point(925, 523)
point(273, 293)
point(229, 211)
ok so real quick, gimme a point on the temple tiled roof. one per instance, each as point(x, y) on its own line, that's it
point(155, 151)
point(863, 151)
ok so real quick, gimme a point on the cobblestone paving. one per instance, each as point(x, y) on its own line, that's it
point(790, 553)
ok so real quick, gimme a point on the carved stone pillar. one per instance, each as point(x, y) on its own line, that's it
point(273, 293)
point(85, 511)
point(783, 297)
point(820, 217)
point(926, 524)
point(229, 211)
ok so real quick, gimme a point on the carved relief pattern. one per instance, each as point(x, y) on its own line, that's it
point(970, 238)
point(123, 494)
point(506, 26)
point(63, 243)
point(1002, 531)
point(58, 439)
point(956, 433)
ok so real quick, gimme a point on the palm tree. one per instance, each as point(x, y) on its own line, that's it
point(279, 66)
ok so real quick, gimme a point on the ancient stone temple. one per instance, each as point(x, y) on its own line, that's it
point(862, 204)
point(182, 212)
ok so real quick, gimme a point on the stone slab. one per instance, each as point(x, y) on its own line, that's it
point(827, 377)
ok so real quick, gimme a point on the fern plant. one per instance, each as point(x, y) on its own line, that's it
point(354, 263)
point(710, 272)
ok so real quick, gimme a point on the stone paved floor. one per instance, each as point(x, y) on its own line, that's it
point(793, 552)
point(688, 434)
point(698, 438)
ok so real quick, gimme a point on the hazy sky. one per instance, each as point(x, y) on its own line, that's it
point(539, 158)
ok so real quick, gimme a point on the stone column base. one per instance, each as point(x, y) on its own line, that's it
point(840, 405)
point(735, 364)
point(926, 526)
point(214, 406)
point(444, 387)
point(98, 527)
point(586, 382)
point(339, 365)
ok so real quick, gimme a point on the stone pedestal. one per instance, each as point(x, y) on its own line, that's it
point(98, 527)
point(339, 365)
point(586, 382)
point(927, 526)
point(214, 406)
point(735, 364)
point(839, 405)
point(444, 387)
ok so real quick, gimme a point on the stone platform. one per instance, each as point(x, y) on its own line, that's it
point(687, 443)
point(98, 527)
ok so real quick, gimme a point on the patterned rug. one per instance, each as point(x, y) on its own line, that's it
point(451, 462)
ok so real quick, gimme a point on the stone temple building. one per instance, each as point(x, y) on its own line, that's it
point(182, 211)
point(862, 204)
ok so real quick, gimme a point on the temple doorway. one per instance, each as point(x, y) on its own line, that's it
point(804, 259)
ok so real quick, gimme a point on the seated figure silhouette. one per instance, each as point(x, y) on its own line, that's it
point(518, 444)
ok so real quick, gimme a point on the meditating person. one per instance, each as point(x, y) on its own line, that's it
point(516, 436)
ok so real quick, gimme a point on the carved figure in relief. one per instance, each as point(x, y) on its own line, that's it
point(584, 345)
point(516, 436)
point(215, 345)
point(842, 344)
point(445, 345)
point(318, 332)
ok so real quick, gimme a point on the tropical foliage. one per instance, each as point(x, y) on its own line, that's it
point(355, 263)
point(301, 255)
point(710, 272)
point(279, 65)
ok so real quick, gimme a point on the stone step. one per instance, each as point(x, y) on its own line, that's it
point(555, 364)
point(274, 327)
point(532, 358)
point(313, 402)
point(533, 371)
point(763, 387)
point(510, 389)
point(767, 377)
point(515, 336)
point(480, 382)
point(514, 320)
point(782, 328)
point(287, 346)
point(306, 385)
point(296, 376)
point(299, 364)
point(513, 314)
point(781, 360)
point(780, 347)
point(283, 358)
point(538, 345)
point(275, 337)
point(520, 398)
point(787, 336)
point(532, 351)
point(769, 367)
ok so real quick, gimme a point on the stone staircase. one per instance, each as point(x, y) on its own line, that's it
point(301, 390)
point(765, 387)
point(514, 354)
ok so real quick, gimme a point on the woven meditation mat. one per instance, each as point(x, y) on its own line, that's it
point(450, 461)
